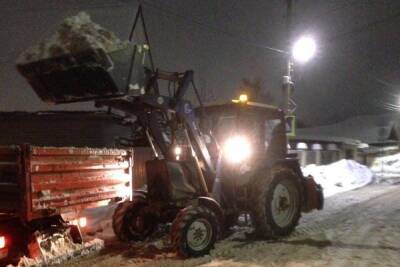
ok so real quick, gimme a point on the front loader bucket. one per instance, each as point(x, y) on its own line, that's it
point(88, 75)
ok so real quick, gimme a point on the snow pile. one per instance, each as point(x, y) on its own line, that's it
point(340, 176)
point(387, 168)
point(76, 34)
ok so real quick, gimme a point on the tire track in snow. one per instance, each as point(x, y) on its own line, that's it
point(367, 232)
point(321, 221)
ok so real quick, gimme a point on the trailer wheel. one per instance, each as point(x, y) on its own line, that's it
point(194, 231)
point(132, 221)
point(276, 205)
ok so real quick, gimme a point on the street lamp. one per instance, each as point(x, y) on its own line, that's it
point(303, 49)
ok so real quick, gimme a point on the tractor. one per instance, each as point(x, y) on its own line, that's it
point(212, 164)
point(258, 176)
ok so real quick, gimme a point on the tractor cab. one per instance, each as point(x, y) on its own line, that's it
point(248, 133)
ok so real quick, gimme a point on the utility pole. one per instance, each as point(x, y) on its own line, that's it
point(301, 51)
point(288, 105)
point(287, 83)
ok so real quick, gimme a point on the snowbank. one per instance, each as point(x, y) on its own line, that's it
point(340, 176)
point(77, 33)
point(387, 168)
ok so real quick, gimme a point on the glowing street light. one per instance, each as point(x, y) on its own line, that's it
point(304, 49)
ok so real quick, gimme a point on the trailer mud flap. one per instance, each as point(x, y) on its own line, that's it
point(313, 195)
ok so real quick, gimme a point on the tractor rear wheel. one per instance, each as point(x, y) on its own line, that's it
point(132, 220)
point(276, 203)
point(194, 231)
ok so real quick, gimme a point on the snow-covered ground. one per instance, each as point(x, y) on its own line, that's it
point(387, 168)
point(340, 176)
point(356, 228)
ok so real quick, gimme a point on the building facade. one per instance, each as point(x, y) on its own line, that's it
point(361, 138)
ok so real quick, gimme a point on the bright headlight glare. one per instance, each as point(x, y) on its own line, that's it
point(236, 149)
point(178, 150)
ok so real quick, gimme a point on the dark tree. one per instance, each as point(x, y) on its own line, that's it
point(207, 95)
point(256, 91)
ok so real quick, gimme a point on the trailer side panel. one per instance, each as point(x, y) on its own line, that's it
point(69, 179)
point(37, 182)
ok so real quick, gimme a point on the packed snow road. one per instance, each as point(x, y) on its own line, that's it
point(356, 228)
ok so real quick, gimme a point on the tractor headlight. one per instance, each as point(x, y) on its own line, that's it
point(2, 242)
point(237, 149)
point(177, 152)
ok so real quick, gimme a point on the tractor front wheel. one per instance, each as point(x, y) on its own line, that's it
point(194, 231)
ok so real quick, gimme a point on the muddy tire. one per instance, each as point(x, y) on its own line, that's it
point(132, 222)
point(194, 231)
point(276, 203)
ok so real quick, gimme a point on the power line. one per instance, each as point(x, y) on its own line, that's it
point(242, 40)
point(168, 12)
point(356, 30)
point(364, 27)
point(327, 12)
point(329, 41)
point(213, 28)
point(231, 35)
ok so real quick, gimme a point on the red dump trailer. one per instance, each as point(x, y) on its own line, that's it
point(46, 188)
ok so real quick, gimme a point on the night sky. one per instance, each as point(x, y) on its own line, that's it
point(355, 72)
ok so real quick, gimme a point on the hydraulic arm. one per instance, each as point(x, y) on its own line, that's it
point(163, 116)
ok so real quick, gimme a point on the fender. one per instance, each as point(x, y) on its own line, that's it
point(212, 204)
point(291, 163)
point(140, 193)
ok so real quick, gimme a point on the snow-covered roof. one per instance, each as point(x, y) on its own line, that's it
point(370, 129)
point(324, 138)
